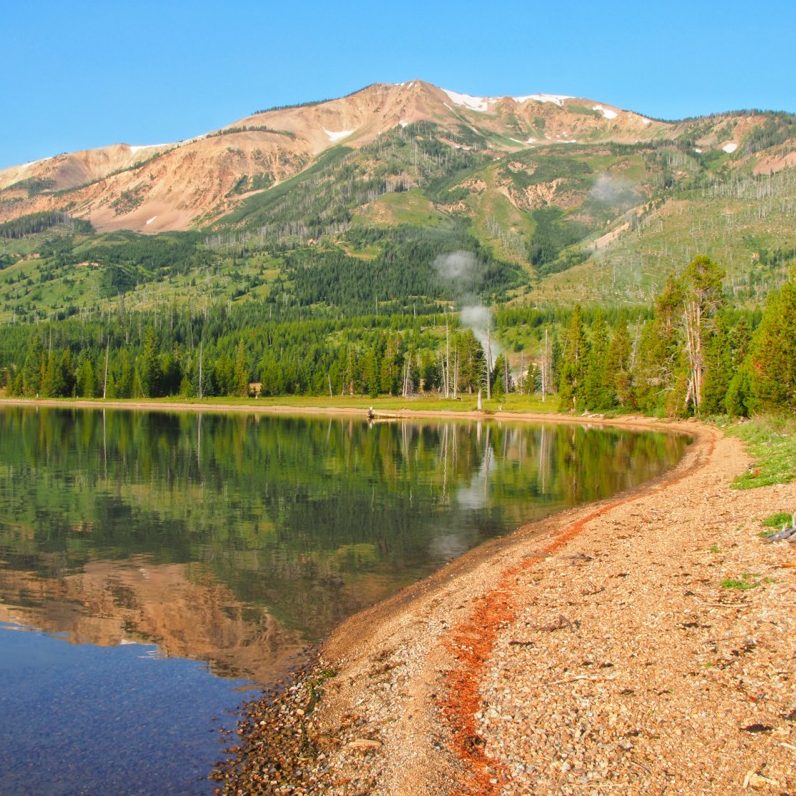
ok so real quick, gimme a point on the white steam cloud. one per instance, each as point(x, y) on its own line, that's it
point(457, 267)
point(478, 318)
point(614, 191)
point(460, 269)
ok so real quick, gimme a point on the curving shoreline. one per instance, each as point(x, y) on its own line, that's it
point(591, 651)
point(582, 610)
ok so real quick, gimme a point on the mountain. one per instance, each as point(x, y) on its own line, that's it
point(349, 201)
point(178, 186)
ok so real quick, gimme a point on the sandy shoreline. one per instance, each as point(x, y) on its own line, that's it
point(596, 650)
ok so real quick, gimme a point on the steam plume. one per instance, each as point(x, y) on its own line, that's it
point(614, 191)
point(460, 269)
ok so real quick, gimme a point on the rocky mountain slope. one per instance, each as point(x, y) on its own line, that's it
point(178, 186)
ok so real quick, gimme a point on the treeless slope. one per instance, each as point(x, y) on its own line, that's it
point(73, 169)
point(172, 188)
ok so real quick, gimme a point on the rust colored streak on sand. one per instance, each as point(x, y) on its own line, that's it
point(473, 641)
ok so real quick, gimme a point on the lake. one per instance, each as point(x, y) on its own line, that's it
point(153, 565)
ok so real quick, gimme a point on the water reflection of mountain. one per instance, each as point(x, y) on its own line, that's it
point(176, 606)
point(220, 537)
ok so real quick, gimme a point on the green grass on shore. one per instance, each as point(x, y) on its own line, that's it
point(771, 441)
point(466, 403)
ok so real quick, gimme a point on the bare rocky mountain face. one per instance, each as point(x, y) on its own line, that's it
point(192, 183)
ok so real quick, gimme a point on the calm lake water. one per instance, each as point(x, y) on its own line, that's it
point(153, 564)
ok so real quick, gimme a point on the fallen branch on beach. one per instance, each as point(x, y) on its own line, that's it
point(594, 677)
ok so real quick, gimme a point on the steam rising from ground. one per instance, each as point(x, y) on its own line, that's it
point(460, 270)
point(478, 318)
point(614, 191)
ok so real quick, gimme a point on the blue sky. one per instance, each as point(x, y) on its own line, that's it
point(82, 73)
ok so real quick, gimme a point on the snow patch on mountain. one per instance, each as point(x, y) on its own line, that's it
point(606, 112)
point(337, 136)
point(480, 104)
point(134, 149)
point(556, 99)
point(730, 147)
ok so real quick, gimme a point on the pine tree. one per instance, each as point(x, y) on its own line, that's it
point(34, 367)
point(241, 372)
point(391, 367)
point(573, 364)
point(597, 394)
point(67, 373)
point(739, 391)
point(371, 378)
point(660, 360)
point(147, 368)
point(350, 371)
point(86, 382)
point(618, 367)
point(499, 376)
point(53, 382)
point(429, 372)
point(124, 375)
point(469, 362)
point(702, 297)
point(772, 360)
point(738, 399)
point(718, 368)
point(533, 379)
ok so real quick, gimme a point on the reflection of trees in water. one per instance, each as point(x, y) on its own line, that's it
point(313, 518)
point(170, 483)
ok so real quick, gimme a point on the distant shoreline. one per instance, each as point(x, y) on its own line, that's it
point(392, 410)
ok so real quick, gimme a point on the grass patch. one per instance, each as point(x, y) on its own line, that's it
point(771, 441)
point(467, 403)
point(316, 687)
point(744, 583)
point(778, 520)
point(394, 209)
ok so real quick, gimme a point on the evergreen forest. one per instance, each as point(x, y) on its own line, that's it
point(692, 353)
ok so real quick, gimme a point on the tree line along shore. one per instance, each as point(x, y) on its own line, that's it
point(692, 353)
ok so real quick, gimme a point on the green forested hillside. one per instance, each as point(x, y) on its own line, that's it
point(600, 224)
point(692, 353)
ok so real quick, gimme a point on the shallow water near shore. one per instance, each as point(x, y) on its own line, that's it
point(89, 719)
point(151, 564)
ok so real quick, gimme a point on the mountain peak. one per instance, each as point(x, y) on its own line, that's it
point(156, 187)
